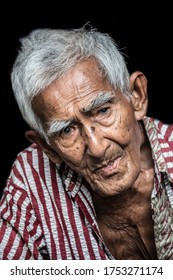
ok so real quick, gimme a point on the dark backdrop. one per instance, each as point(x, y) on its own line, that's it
point(143, 33)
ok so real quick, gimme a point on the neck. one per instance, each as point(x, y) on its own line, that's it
point(132, 204)
point(146, 152)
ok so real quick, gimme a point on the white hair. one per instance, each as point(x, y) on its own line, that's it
point(46, 54)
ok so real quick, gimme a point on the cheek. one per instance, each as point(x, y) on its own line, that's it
point(74, 154)
point(123, 129)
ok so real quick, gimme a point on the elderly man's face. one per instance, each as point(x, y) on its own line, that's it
point(93, 128)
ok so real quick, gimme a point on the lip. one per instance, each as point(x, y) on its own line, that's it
point(110, 168)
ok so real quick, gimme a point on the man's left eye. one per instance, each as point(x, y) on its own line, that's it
point(103, 110)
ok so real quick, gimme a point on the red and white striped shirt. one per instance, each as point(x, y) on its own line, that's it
point(46, 211)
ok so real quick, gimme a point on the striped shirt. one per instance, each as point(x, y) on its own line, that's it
point(46, 210)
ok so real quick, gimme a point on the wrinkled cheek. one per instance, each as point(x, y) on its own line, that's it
point(73, 155)
point(90, 177)
point(99, 185)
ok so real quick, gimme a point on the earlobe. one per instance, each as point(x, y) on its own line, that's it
point(34, 137)
point(138, 83)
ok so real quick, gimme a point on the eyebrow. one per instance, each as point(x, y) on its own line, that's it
point(101, 98)
point(56, 126)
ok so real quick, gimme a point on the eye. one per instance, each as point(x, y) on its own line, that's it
point(103, 110)
point(69, 131)
point(104, 115)
point(66, 130)
point(66, 133)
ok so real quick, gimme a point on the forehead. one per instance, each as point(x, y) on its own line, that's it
point(74, 89)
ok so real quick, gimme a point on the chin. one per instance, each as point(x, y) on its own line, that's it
point(106, 190)
point(112, 185)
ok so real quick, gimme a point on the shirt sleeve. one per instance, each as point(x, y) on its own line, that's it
point(21, 235)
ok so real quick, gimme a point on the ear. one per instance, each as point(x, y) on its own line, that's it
point(34, 137)
point(138, 84)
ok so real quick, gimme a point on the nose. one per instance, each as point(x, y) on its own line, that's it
point(96, 143)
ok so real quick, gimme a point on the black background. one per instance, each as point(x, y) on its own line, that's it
point(143, 32)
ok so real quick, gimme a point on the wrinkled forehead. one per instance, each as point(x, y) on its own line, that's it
point(78, 88)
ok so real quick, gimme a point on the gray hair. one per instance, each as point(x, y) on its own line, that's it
point(46, 54)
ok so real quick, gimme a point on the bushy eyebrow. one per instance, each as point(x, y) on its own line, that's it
point(100, 99)
point(56, 126)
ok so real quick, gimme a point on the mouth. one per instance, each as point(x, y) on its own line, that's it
point(109, 168)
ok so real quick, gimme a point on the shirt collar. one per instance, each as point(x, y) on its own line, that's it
point(161, 140)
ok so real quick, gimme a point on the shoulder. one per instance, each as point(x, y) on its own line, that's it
point(33, 172)
point(32, 157)
point(30, 167)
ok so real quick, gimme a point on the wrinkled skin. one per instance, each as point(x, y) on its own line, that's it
point(107, 146)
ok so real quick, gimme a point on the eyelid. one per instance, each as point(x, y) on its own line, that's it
point(103, 106)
